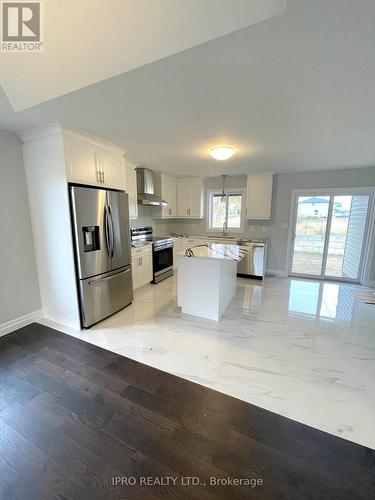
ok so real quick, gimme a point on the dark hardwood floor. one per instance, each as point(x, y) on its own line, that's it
point(74, 416)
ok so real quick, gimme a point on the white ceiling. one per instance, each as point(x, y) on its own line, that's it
point(293, 93)
point(87, 41)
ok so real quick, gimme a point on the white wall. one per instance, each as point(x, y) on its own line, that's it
point(277, 227)
point(19, 290)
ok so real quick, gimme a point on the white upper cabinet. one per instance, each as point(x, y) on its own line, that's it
point(169, 194)
point(113, 168)
point(190, 198)
point(131, 189)
point(183, 199)
point(92, 163)
point(259, 196)
point(196, 208)
point(83, 161)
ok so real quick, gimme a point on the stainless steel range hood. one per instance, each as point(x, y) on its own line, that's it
point(146, 189)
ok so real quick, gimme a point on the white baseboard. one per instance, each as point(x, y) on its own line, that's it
point(276, 272)
point(20, 322)
point(58, 326)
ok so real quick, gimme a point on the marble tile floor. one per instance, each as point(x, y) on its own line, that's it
point(303, 349)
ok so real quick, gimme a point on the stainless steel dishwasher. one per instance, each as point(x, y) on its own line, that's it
point(254, 264)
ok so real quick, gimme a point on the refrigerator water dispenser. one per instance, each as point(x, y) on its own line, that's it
point(91, 240)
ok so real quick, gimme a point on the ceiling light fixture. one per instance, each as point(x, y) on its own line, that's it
point(222, 152)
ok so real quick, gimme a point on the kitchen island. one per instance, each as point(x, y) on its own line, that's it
point(207, 279)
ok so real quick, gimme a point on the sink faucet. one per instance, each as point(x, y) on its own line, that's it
point(225, 233)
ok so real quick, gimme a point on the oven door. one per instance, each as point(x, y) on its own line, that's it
point(162, 260)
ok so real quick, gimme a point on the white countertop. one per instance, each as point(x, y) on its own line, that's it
point(226, 239)
point(217, 251)
point(140, 244)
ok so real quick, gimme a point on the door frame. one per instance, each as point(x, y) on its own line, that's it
point(369, 229)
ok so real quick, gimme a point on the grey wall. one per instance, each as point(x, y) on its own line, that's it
point(145, 218)
point(277, 227)
point(19, 290)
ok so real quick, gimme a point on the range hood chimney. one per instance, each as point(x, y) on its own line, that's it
point(146, 189)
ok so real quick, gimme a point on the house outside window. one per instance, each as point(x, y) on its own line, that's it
point(226, 213)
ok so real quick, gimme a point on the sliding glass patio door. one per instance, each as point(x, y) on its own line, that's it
point(329, 232)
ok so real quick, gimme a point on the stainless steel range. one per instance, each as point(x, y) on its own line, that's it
point(162, 251)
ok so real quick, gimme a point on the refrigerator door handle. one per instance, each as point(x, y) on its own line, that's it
point(107, 278)
point(107, 231)
point(112, 231)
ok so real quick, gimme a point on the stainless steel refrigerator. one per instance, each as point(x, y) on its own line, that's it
point(100, 219)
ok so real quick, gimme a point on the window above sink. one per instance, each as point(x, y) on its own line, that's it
point(226, 212)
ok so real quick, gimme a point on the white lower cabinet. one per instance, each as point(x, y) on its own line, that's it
point(177, 248)
point(142, 266)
